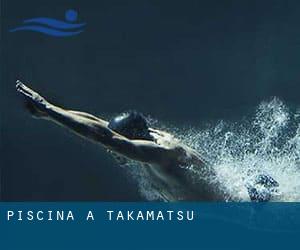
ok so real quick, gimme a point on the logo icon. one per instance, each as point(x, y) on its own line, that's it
point(53, 27)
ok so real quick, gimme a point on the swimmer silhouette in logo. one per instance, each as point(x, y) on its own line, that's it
point(165, 157)
point(53, 27)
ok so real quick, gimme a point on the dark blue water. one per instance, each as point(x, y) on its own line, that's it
point(185, 64)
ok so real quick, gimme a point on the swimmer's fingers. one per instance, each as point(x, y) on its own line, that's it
point(23, 89)
point(154, 135)
point(37, 101)
point(28, 93)
point(161, 133)
point(154, 130)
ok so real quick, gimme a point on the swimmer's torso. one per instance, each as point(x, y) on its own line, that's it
point(180, 183)
point(177, 179)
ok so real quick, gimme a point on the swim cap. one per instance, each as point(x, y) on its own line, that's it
point(132, 125)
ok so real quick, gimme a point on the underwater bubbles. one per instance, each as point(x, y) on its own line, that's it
point(266, 142)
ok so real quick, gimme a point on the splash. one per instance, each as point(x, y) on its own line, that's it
point(268, 142)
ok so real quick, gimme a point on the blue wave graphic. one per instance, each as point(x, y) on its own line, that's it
point(47, 31)
point(53, 23)
point(55, 27)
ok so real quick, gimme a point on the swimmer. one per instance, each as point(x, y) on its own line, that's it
point(129, 136)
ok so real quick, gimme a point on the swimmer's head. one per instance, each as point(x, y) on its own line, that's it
point(132, 125)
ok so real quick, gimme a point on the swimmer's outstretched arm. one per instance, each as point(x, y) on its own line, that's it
point(95, 129)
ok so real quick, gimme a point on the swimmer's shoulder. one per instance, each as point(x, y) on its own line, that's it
point(185, 155)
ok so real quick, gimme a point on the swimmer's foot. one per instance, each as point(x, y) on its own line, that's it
point(263, 188)
point(34, 103)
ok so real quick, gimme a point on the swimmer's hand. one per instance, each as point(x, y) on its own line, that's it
point(35, 103)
